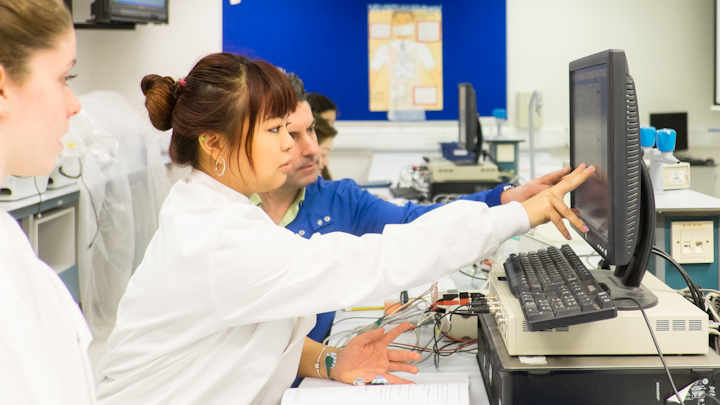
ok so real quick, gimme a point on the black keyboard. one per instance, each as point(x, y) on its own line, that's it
point(555, 289)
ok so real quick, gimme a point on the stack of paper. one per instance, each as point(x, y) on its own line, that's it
point(455, 391)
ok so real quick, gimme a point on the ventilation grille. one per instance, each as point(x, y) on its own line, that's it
point(633, 157)
point(678, 325)
point(662, 325)
point(695, 325)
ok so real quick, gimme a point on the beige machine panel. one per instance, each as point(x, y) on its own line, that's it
point(680, 327)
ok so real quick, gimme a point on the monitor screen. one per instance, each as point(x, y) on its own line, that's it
point(469, 130)
point(146, 3)
point(130, 11)
point(590, 107)
point(605, 132)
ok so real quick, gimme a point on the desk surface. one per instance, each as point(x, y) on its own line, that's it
point(685, 201)
point(459, 363)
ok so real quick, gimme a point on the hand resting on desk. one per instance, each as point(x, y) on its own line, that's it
point(367, 355)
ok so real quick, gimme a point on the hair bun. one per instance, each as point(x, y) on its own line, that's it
point(160, 99)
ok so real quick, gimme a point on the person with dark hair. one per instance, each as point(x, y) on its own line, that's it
point(325, 136)
point(323, 107)
point(44, 338)
point(219, 308)
point(306, 204)
point(298, 87)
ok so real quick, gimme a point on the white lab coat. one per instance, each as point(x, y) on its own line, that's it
point(219, 308)
point(43, 335)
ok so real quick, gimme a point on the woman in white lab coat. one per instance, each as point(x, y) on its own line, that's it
point(218, 311)
point(43, 336)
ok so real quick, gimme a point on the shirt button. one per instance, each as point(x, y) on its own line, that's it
point(301, 232)
point(319, 222)
point(327, 219)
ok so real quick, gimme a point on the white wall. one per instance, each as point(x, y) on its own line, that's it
point(118, 59)
point(669, 45)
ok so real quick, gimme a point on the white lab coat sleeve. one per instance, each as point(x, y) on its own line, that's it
point(275, 274)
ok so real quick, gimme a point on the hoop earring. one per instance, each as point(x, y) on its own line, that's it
point(220, 171)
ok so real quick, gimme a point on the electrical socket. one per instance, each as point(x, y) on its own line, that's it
point(692, 241)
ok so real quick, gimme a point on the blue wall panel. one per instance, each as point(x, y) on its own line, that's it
point(325, 43)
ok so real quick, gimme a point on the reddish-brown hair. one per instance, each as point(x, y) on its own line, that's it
point(221, 92)
point(27, 26)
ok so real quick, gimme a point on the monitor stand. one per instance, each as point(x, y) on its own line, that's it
point(625, 281)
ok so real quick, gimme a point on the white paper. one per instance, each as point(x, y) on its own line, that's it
point(456, 393)
point(428, 31)
point(380, 31)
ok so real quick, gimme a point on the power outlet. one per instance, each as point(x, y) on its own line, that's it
point(692, 241)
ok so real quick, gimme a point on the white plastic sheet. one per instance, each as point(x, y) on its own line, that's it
point(124, 181)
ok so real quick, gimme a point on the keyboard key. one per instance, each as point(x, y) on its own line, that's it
point(603, 300)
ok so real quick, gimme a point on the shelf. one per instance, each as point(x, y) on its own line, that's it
point(50, 199)
point(53, 238)
point(105, 26)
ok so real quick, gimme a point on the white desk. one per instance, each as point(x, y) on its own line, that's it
point(464, 363)
point(685, 201)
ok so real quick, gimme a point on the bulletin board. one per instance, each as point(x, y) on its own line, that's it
point(326, 43)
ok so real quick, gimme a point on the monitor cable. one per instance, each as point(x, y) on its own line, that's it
point(697, 295)
point(92, 204)
point(657, 346)
point(38, 213)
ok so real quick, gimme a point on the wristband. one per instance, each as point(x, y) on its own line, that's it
point(317, 362)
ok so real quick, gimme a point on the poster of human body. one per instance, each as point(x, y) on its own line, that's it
point(405, 57)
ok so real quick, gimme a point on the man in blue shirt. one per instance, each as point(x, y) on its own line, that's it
point(307, 204)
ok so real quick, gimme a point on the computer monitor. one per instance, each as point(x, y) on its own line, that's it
point(133, 11)
point(678, 122)
point(469, 129)
point(617, 202)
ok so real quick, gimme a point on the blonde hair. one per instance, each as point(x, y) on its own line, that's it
point(27, 26)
